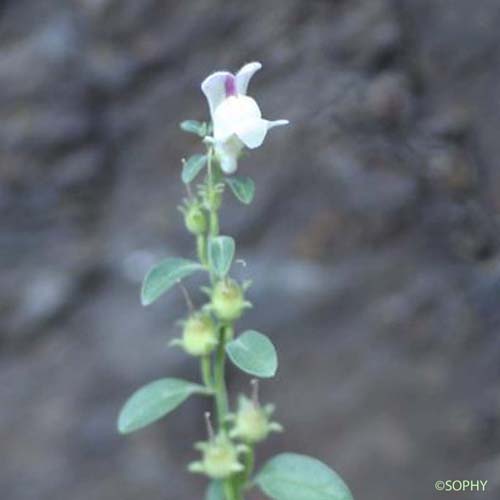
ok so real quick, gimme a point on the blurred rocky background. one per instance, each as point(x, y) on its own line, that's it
point(372, 240)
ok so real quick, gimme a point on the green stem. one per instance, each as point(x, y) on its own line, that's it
point(213, 208)
point(220, 381)
point(232, 490)
point(201, 247)
point(229, 493)
point(214, 223)
point(249, 465)
point(242, 480)
point(220, 356)
point(206, 372)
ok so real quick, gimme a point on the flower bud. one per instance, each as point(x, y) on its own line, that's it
point(199, 335)
point(195, 219)
point(228, 301)
point(251, 422)
point(219, 458)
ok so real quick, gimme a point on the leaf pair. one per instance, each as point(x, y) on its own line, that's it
point(252, 352)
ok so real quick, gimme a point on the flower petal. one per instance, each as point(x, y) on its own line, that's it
point(276, 123)
point(228, 164)
point(244, 75)
point(252, 132)
point(231, 113)
point(223, 129)
point(214, 88)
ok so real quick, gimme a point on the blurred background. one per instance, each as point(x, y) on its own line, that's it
point(372, 240)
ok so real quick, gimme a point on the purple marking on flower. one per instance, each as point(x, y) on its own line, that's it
point(230, 85)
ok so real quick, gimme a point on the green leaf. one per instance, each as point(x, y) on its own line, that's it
point(253, 353)
point(194, 127)
point(153, 401)
point(214, 491)
point(192, 167)
point(164, 276)
point(242, 187)
point(290, 476)
point(221, 254)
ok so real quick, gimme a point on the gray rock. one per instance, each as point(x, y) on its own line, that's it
point(372, 240)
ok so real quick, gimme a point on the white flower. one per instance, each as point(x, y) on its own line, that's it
point(236, 117)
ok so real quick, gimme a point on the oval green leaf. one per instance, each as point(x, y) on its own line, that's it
point(153, 401)
point(221, 254)
point(242, 187)
point(194, 127)
point(192, 167)
point(290, 476)
point(164, 276)
point(214, 491)
point(253, 353)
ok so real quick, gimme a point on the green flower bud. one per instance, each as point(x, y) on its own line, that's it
point(219, 457)
point(199, 335)
point(195, 219)
point(228, 300)
point(251, 422)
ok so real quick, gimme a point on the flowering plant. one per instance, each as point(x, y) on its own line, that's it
point(227, 457)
